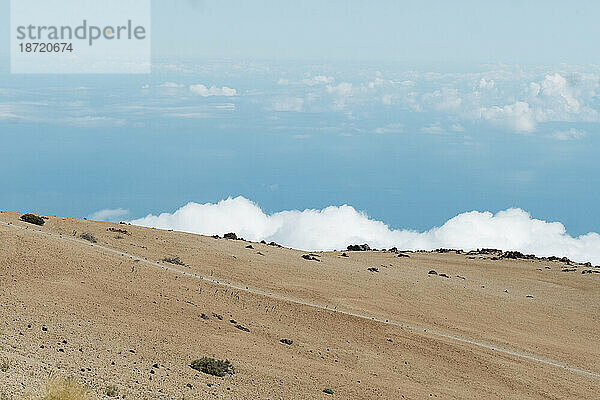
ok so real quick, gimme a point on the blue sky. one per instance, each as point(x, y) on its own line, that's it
point(413, 113)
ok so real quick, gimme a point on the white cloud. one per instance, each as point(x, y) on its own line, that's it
point(110, 215)
point(171, 85)
point(318, 80)
point(212, 91)
point(337, 227)
point(288, 104)
point(391, 128)
point(518, 116)
point(343, 89)
point(458, 128)
point(571, 134)
point(486, 85)
point(95, 122)
point(435, 128)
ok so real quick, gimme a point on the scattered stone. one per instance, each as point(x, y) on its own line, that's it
point(310, 257)
point(289, 342)
point(569, 269)
point(217, 316)
point(373, 269)
point(204, 316)
point(444, 276)
point(249, 246)
point(242, 328)
point(432, 272)
point(344, 255)
point(44, 328)
point(402, 255)
point(230, 236)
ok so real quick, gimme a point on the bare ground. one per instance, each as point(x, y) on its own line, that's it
point(113, 313)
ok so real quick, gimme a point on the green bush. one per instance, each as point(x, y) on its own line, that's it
point(328, 391)
point(89, 237)
point(112, 391)
point(213, 367)
point(4, 365)
point(33, 219)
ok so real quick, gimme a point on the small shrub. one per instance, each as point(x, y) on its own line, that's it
point(112, 391)
point(213, 367)
point(4, 365)
point(33, 219)
point(174, 260)
point(63, 389)
point(328, 391)
point(89, 237)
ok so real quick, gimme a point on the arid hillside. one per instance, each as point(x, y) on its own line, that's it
point(125, 310)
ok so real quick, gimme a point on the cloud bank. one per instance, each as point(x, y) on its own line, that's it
point(336, 227)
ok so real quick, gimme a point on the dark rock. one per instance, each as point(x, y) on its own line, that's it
point(249, 246)
point(344, 255)
point(289, 342)
point(310, 257)
point(242, 328)
point(204, 316)
point(373, 269)
point(444, 276)
point(432, 272)
point(230, 236)
point(402, 255)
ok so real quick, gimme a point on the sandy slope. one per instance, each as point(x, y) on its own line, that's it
point(113, 310)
